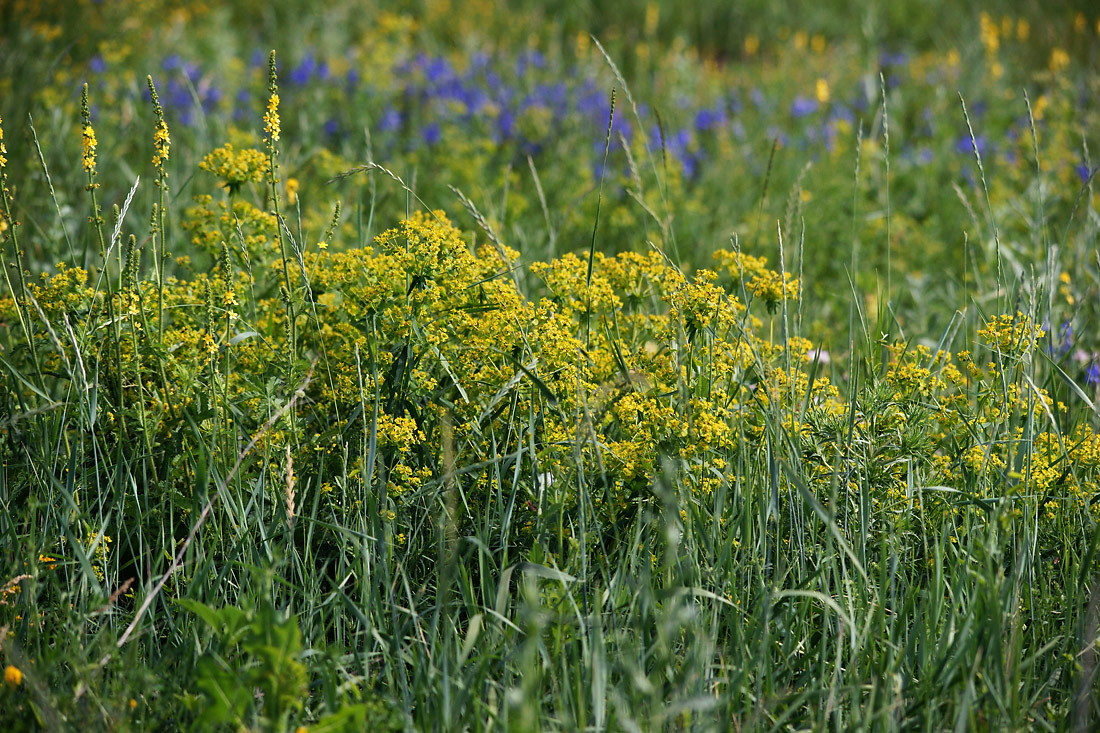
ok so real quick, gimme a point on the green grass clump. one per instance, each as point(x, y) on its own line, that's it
point(298, 437)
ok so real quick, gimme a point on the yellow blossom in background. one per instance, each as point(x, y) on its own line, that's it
point(752, 45)
point(292, 190)
point(817, 43)
point(89, 145)
point(652, 15)
point(1059, 60)
point(990, 34)
point(821, 91)
point(1023, 30)
point(3, 150)
point(13, 676)
point(1040, 106)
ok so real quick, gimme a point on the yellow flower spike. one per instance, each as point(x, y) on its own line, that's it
point(89, 145)
point(271, 117)
point(87, 135)
point(161, 141)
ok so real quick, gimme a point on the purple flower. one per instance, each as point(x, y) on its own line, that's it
point(803, 106)
point(432, 134)
point(1066, 341)
point(438, 71)
point(97, 64)
point(892, 59)
point(1083, 172)
point(506, 124)
point(843, 112)
point(390, 120)
point(707, 119)
point(690, 166)
point(966, 144)
point(1092, 376)
point(302, 73)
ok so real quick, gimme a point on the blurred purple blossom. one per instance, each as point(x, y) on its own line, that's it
point(803, 106)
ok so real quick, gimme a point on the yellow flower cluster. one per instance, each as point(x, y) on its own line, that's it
point(271, 119)
point(88, 142)
point(236, 167)
point(1011, 334)
point(614, 368)
point(757, 279)
point(161, 145)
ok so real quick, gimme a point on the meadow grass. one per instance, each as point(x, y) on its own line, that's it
point(422, 381)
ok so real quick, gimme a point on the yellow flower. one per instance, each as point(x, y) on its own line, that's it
point(822, 91)
point(1059, 60)
point(133, 703)
point(322, 245)
point(161, 144)
point(236, 167)
point(990, 34)
point(89, 143)
point(13, 676)
point(752, 45)
point(271, 119)
point(291, 189)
